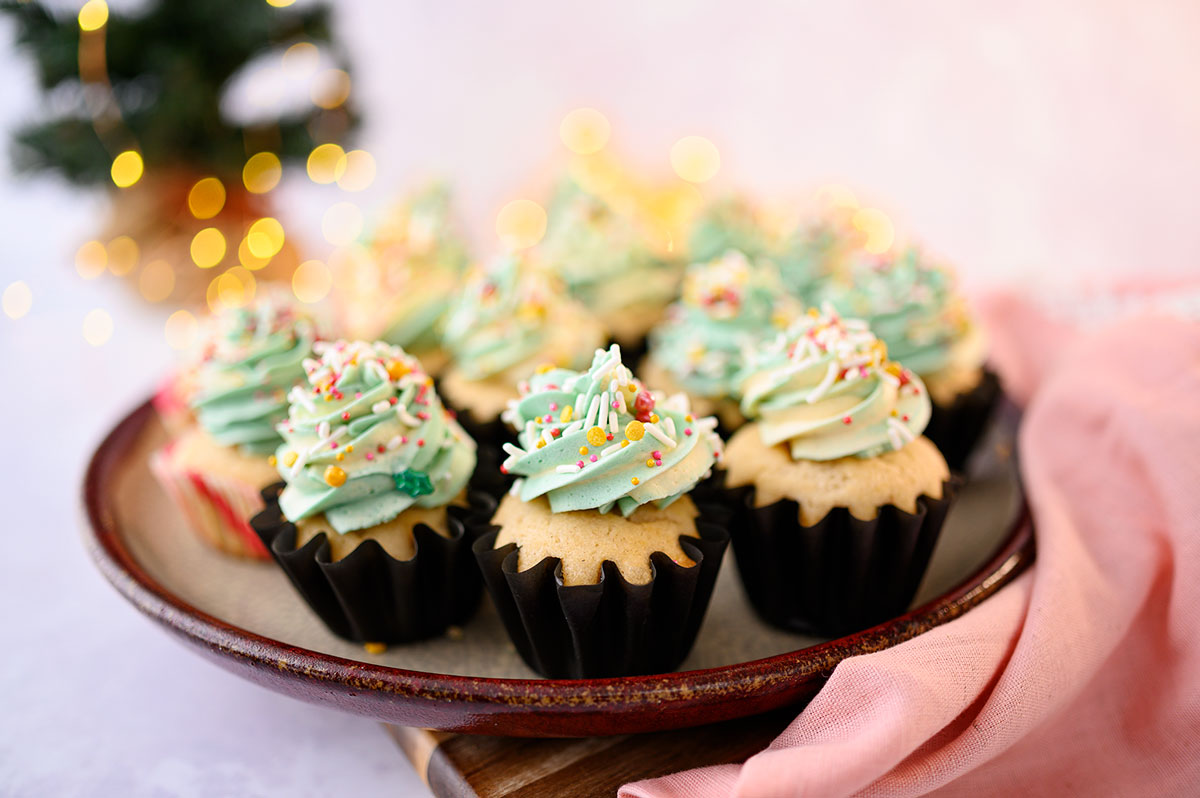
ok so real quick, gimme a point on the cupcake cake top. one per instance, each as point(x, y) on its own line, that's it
point(598, 439)
point(731, 222)
point(249, 359)
point(912, 304)
point(511, 314)
point(827, 388)
point(367, 438)
point(728, 305)
point(602, 254)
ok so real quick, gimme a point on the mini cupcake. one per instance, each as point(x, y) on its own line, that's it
point(815, 250)
point(842, 497)
point(399, 288)
point(728, 306)
point(600, 564)
point(912, 304)
point(511, 317)
point(603, 254)
point(369, 523)
point(215, 469)
point(731, 222)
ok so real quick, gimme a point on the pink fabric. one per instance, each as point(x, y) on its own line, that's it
point(1082, 677)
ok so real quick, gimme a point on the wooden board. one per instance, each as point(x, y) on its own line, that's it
point(470, 766)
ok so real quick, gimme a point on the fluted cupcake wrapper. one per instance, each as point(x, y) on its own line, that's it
point(613, 628)
point(371, 597)
point(840, 575)
point(957, 428)
point(216, 507)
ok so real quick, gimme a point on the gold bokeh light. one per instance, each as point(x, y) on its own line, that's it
point(585, 131)
point(326, 163)
point(311, 281)
point(208, 248)
point(878, 231)
point(233, 288)
point(330, 89)
point(302, 57)
point(695, 159)
point(280, 3)
point(93, 15)
point(206, 198)
point(180, 329)
point(18, 299)
point(127, 168)
point(123, 255)
point(358, 172)
point(264, 238)
point(262, 172)
point(91, 260)
point(97, 327)
point(156, 281)
point(521, 224)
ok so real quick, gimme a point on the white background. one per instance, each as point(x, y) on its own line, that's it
point(1028, 141)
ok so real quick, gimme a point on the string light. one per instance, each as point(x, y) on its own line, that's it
point(265, 238)
point(326, 163)
point(123, 254)
point(262, 172)
point(180, 329)
point(208, 248)
point(311, 281)
point(521, 224)
point(157, 281)
point(342, 223)
point(97, 327)
point(206, 198)
point(127, 168)
point(330, 89)
point(695, 159)
point(877, 228)
point(358, 172)
point(93, 15)
point(17, 300)
point(585, 131)
point(91, 260)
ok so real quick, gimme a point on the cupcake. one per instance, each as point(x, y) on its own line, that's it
point(215, 469)
point(370, 520)
point(600, 563)
point(841, 497)
point(604, 257)
point(912, 304)
point(815, 250)
point(728, 305)
point(511, 317)
point(731, 222)
point(400, 286)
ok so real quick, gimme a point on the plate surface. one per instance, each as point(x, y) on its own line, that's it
point(246, 617)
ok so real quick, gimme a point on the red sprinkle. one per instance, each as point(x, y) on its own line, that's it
point(380, 448)
point(555, 432)
point(904, 417)
point(393, 401)
point(503, 470)
point(346, 416)
point(846, 419)
point(420, 441)
point(609, 436)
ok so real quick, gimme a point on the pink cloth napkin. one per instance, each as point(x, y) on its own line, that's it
point(1083, 676)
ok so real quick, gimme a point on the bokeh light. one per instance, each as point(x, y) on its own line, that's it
point(311, 281)
point(585, 131)
point(302, 58)
point(326, 163)
point(834, 195)
point(18, 299)
point(97, 327)
point(695, 159)
point(127, 168)
point(358, 172)
point(207, 198)
point(233, 288)
point(93, 15)
point(280, 3)
point(262, 172)
point(264, 238)
point(180, 329)
point(342, 223)
point(249, 259)
point(877, 229)
point(330, 89)
point(123, 254)
point(521, 224)
point(157, 281)
point(208, 248)
point(91, 260)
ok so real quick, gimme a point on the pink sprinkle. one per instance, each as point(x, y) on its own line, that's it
point(658, 462)
point(423, 415)
point(403, 439)
point(316, 390)
point(333, 445)
point(358, 394)
point(846, 419)
point(687, 431)
point(656, 454)
point(420, 441)
point(370, 456)
point(616, 406)
point(593, 458)
point(554, 405)
point(548, 418)
point(580, 464)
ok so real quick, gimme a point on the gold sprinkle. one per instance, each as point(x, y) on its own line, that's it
point(541, 443)
point(650, 463)
point(654, 418)
point(375, 648)
point(634, 480)
point(340, 456)
point(688, 417)
point(635, 430)
point(397, 369)
point(596, 436)
point(350, 448)
point(335, 477)
point(565, 415)
point(624, 444)
point(545, 367)
point(289, 459)
point(271, 461)
point(583, 450)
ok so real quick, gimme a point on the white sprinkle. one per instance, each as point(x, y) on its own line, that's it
point(894, 437)
point(706, 424)
point(298, 466)
point(406, 417)
point(300, 396)
point(378, 370)
point(546, 436)
point(394, 443)
point(573, 427)
point(530, 429)
point(612, 421)
point(669, 423)
point(660, 435)
point(323, 429)
point(888, 378)
point(381, 406)
point(830, 375)
point(621, 406)
point(569, 383)
point(310, 365)
point(577, 407)
point(616, 447)
point(516, 487)
point(508, 463)
point(593, 407)
point(567, 469)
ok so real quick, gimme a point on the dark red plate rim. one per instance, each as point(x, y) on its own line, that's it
point(517, 707)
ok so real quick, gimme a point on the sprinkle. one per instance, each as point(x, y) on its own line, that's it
point(515, 451)
point(654, 418)
point(350, 448)
point(583, 450)
point(370, 456)
point(271, 461)
point(592, 458)
point(635, 430)
point(595, 436)
point(634, 480)
point(687, 431)
point(405, 417)
point(420, 441)
point(823, 387)
point(845, 419)
point(580, 464)
point(346, 416)
point(394, 443)
point(661, 436)
point(541, 443)
point(289, 459)
point(593, 409)
point(556, 432)
point(565, 416)
point(670, 425)
point(573, 427)
point(613, 423)
point(335, 477)
point(554, 405)
point(340, 456)
point(650, 463)
point(323, 429)
point(688, 417)
point(624, 444)
point(382, 406)
point(616, 447)
point(333, 444)
point(566, 469)
point(656, 454)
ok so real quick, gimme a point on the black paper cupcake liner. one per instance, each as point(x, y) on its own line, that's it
point(957, 428)
point(371, 597)
point(613, 628)
point(840, 575)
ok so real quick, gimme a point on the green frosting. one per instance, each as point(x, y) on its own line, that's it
point(598, 440)
point(250, 362)
point(501, 317)
point(827, 388)
point(811, 253)
point(368, 438)
point(602, 255)
point(728, 223)
point(728, 306)
point(909, 302)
